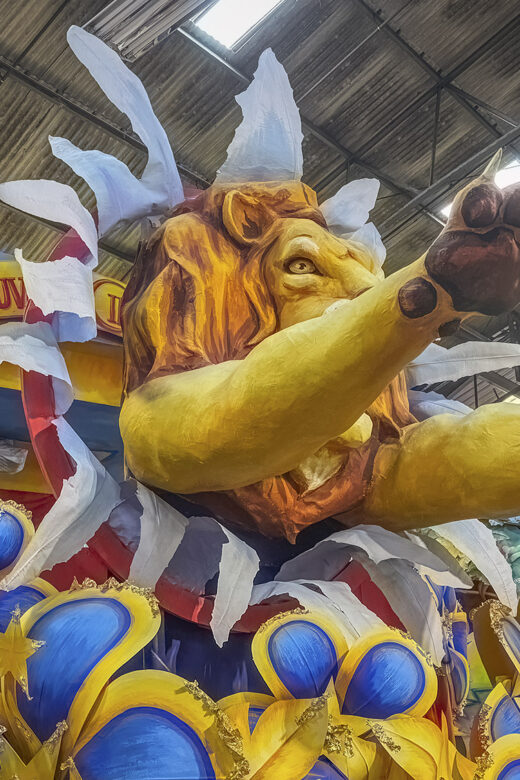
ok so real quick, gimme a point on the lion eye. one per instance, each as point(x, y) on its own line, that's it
point(301, 266)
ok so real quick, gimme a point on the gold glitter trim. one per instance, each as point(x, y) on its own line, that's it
point(339, 739)
point(312, 710)
point(20, 507)
point(497, 613)
point(483, 727)
point(113, 584)
point(279, 616)
point(484, 762)
point(405, 635)
point(56, 736)
point(22, 726)
point(382, 736)
point(447, 623)
point(226, 732)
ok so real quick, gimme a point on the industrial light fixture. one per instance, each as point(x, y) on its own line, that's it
point(229, 20)
point(135, 26)
point(510, 174)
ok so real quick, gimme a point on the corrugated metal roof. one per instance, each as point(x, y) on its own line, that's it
point(351, 80)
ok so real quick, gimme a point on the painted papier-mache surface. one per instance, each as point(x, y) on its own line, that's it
point(267, 401)
point(265, 348)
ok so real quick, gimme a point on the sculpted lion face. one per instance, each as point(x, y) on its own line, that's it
point(308, 269)
point(234, 266)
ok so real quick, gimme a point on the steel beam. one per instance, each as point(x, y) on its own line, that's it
point(408, 110)
point(492, 377)
point(419, 58)
point(57, 228)
point(446, 80)
point(78, 109)
point(486, 106)
point(430, 195)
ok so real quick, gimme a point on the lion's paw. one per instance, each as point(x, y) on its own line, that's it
point(476, 258)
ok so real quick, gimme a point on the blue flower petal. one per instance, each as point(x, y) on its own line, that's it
point(11, 538)
point(23, 597)
point(145, 743)
point(505, 719)
point(304, 658)
point(388, 680)
point(77, 635)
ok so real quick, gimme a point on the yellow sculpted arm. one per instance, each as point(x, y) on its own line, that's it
point(232, 424)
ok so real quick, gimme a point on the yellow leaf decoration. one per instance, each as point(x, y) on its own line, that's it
point(15, 649)
point(42, 766)
point(288, 739)
point(420, 748)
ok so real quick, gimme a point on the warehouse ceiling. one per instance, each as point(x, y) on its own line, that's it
point(419, 94)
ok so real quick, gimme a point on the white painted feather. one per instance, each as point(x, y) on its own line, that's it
point(329, 556)
point(437, 364)
point(237, 569)
point(412, 602)
point(454, 575)
point(339, 603)
point(56, 202)
point(425, 405)
point(33, 347)
point(126, 91)
point(348, 210)
point(119, 194)
point(85, 502)
point(476, 542)
point(207, 548)
point(162, 530)
point(64, 289)
point(267, 145)
point(361, 618)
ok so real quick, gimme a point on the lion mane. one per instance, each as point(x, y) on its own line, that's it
point(196, 296)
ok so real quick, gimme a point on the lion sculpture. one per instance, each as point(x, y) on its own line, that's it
point(264, 356)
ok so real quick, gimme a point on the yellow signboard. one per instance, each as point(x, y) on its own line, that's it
point(107, 295)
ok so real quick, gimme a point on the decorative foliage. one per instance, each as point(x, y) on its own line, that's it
point(339, 709)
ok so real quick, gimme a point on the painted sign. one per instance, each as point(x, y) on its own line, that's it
point(107, 295)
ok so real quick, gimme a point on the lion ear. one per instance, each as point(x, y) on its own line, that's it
point(245, 218)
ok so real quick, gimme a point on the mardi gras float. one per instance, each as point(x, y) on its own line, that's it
point(285, 577)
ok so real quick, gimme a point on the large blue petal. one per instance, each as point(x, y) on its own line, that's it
point(304, 658)
point(23, 597)
point(450, 599)
point(511, 771)
point(324, 770)
point(11, 538)
point(388, 680)
point(145, 743)
point(460, 637)
point(253, 716)
point(459, 677)
point(438, 591)
point(505, 719)
point(77, 634)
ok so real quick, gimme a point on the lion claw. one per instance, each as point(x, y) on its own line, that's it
point(476, 258)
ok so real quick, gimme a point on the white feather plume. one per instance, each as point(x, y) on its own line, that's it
point(267, 145)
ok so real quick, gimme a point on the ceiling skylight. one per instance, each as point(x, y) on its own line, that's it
point(229, 20)
point(506, 176)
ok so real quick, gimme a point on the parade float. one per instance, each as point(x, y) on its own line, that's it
point(240, 543)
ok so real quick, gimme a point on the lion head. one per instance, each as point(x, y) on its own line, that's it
point(229, 268)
